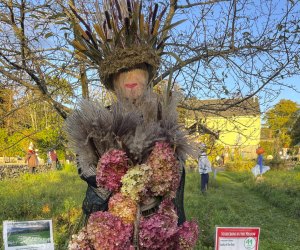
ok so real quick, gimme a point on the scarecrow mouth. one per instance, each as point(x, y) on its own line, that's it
point(131, 85)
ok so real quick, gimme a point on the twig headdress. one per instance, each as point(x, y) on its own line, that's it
point(122, 38)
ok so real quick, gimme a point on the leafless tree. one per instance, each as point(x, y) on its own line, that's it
point(224, 49)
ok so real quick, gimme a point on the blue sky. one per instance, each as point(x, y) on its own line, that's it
point(288, 93)
point(258, 12)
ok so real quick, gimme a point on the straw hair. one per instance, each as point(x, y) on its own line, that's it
point(122, 38)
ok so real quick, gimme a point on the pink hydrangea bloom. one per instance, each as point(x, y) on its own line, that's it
point(188, 235)
point(123, 207)
point(80, 241)
point(111, 168)
point(159, 231)
point(165, 170)
point(107, 231)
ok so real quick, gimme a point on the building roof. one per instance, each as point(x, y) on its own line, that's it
point(224, 107)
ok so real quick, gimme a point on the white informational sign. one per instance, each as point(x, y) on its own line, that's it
point(237, 238)
point(28, 235)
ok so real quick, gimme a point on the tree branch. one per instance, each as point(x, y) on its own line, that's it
point(14, 78)
point(207, 54)
point(22, 37)
point(239, 101)
point(190, 5)
point(19, 141)
point(62, 110)
point(233, 25)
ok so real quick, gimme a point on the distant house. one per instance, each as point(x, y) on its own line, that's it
point(234, 123)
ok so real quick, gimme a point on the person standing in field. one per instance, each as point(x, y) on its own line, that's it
point(259, 152)
point(54, 159)
point(31, 159)
point(204, 168)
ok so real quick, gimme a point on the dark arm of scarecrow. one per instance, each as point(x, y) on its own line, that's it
point(90, 180)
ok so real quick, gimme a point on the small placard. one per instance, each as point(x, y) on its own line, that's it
point(28, 235)
point(237, 238)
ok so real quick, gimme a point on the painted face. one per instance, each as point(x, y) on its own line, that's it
point(131, 84)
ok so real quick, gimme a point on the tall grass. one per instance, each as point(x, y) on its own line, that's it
point(281, 189)
point(234, 199)
point(54, 195)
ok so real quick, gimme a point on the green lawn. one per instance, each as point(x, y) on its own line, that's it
point(233, 199)
point(236, 200)
point(56, 195)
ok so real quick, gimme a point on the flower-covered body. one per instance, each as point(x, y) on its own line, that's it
point(135, 186)
point(115, 229)
point(111, 168)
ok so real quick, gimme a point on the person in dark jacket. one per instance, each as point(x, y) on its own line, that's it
point(54, 159)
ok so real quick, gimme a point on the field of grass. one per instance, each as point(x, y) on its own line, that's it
point(233, 199)
point(237, 199)
point(55, 195)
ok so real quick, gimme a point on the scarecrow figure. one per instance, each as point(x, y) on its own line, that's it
point(131, 154)
point(31, 158)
